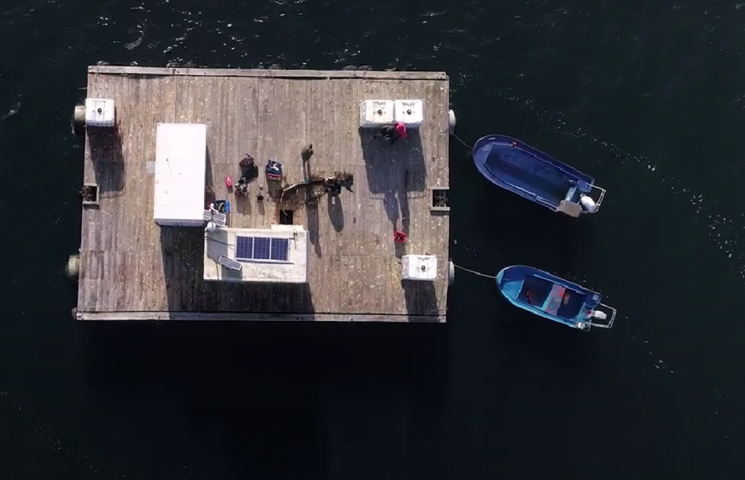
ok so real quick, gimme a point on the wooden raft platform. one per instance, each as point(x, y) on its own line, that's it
point(132, 269)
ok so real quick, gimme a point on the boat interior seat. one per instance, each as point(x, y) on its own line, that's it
point(570, 208)
point(576, 190)
point(583, 186)
point(571, 304)
point(535, 290)
point(570, 193)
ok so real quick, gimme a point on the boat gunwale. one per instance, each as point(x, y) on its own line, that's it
point(567, 283)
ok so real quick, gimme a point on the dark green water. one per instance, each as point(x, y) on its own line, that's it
point(647, 96)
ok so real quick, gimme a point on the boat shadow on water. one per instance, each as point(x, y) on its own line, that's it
point(517, 232)
point(522, 334)
point(527, 234)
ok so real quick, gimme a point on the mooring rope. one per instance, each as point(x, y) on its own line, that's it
point(462, 141)
point(475, 272)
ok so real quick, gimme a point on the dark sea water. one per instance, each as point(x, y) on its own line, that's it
point(649, 97)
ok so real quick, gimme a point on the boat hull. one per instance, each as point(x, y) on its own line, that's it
point(552, 297)
point(534, 175)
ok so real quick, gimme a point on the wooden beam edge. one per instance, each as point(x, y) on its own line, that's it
point(261, 73)
point(257, 317)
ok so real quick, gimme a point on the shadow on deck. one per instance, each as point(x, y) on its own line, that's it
point(421, 298)
point(183, 249)
point(108, 160)
point(395, 173)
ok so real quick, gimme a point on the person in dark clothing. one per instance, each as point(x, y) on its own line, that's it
point(388, 132)
point(393, 132)
point(246, 161)
point(242, 187)
point(249, 170)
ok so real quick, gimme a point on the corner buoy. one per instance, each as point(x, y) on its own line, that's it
point(72, 270)
point(451, 272)
point(451, 120)
point(78, 120)
point(74, 313)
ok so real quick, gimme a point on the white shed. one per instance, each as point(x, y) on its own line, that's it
point(180, 174)
point(275, 255)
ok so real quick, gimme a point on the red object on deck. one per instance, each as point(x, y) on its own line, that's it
point(399, 237)
point(228, 182)
point(401, 130)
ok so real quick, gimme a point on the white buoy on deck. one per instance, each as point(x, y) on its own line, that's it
point(451, 272)
point(72, 270)
point(587, 203)
point(451, 120)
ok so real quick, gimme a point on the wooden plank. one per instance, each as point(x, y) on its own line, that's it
point(130, 265)
point(254, 317)
point(119, 70)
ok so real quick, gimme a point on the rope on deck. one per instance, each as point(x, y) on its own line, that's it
point(493, 277)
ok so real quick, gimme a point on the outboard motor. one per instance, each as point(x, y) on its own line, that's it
point(598, 315)
point(588, 204)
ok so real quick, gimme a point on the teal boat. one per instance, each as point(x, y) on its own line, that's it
point(554, 298)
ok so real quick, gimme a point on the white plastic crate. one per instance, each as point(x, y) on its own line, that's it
point(409, 112)
point(376, 113)
point(419, 267)
point(100, 112)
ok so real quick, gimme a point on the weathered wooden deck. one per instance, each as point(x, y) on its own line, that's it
point(132, 269)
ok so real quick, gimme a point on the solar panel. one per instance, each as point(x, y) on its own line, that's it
point(220, 219)
point(262, 248)
point(279, 249)
point(244, 248)
point(229, 263)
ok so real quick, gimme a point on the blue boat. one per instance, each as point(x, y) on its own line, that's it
point(511, 164)
point(554, 298)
